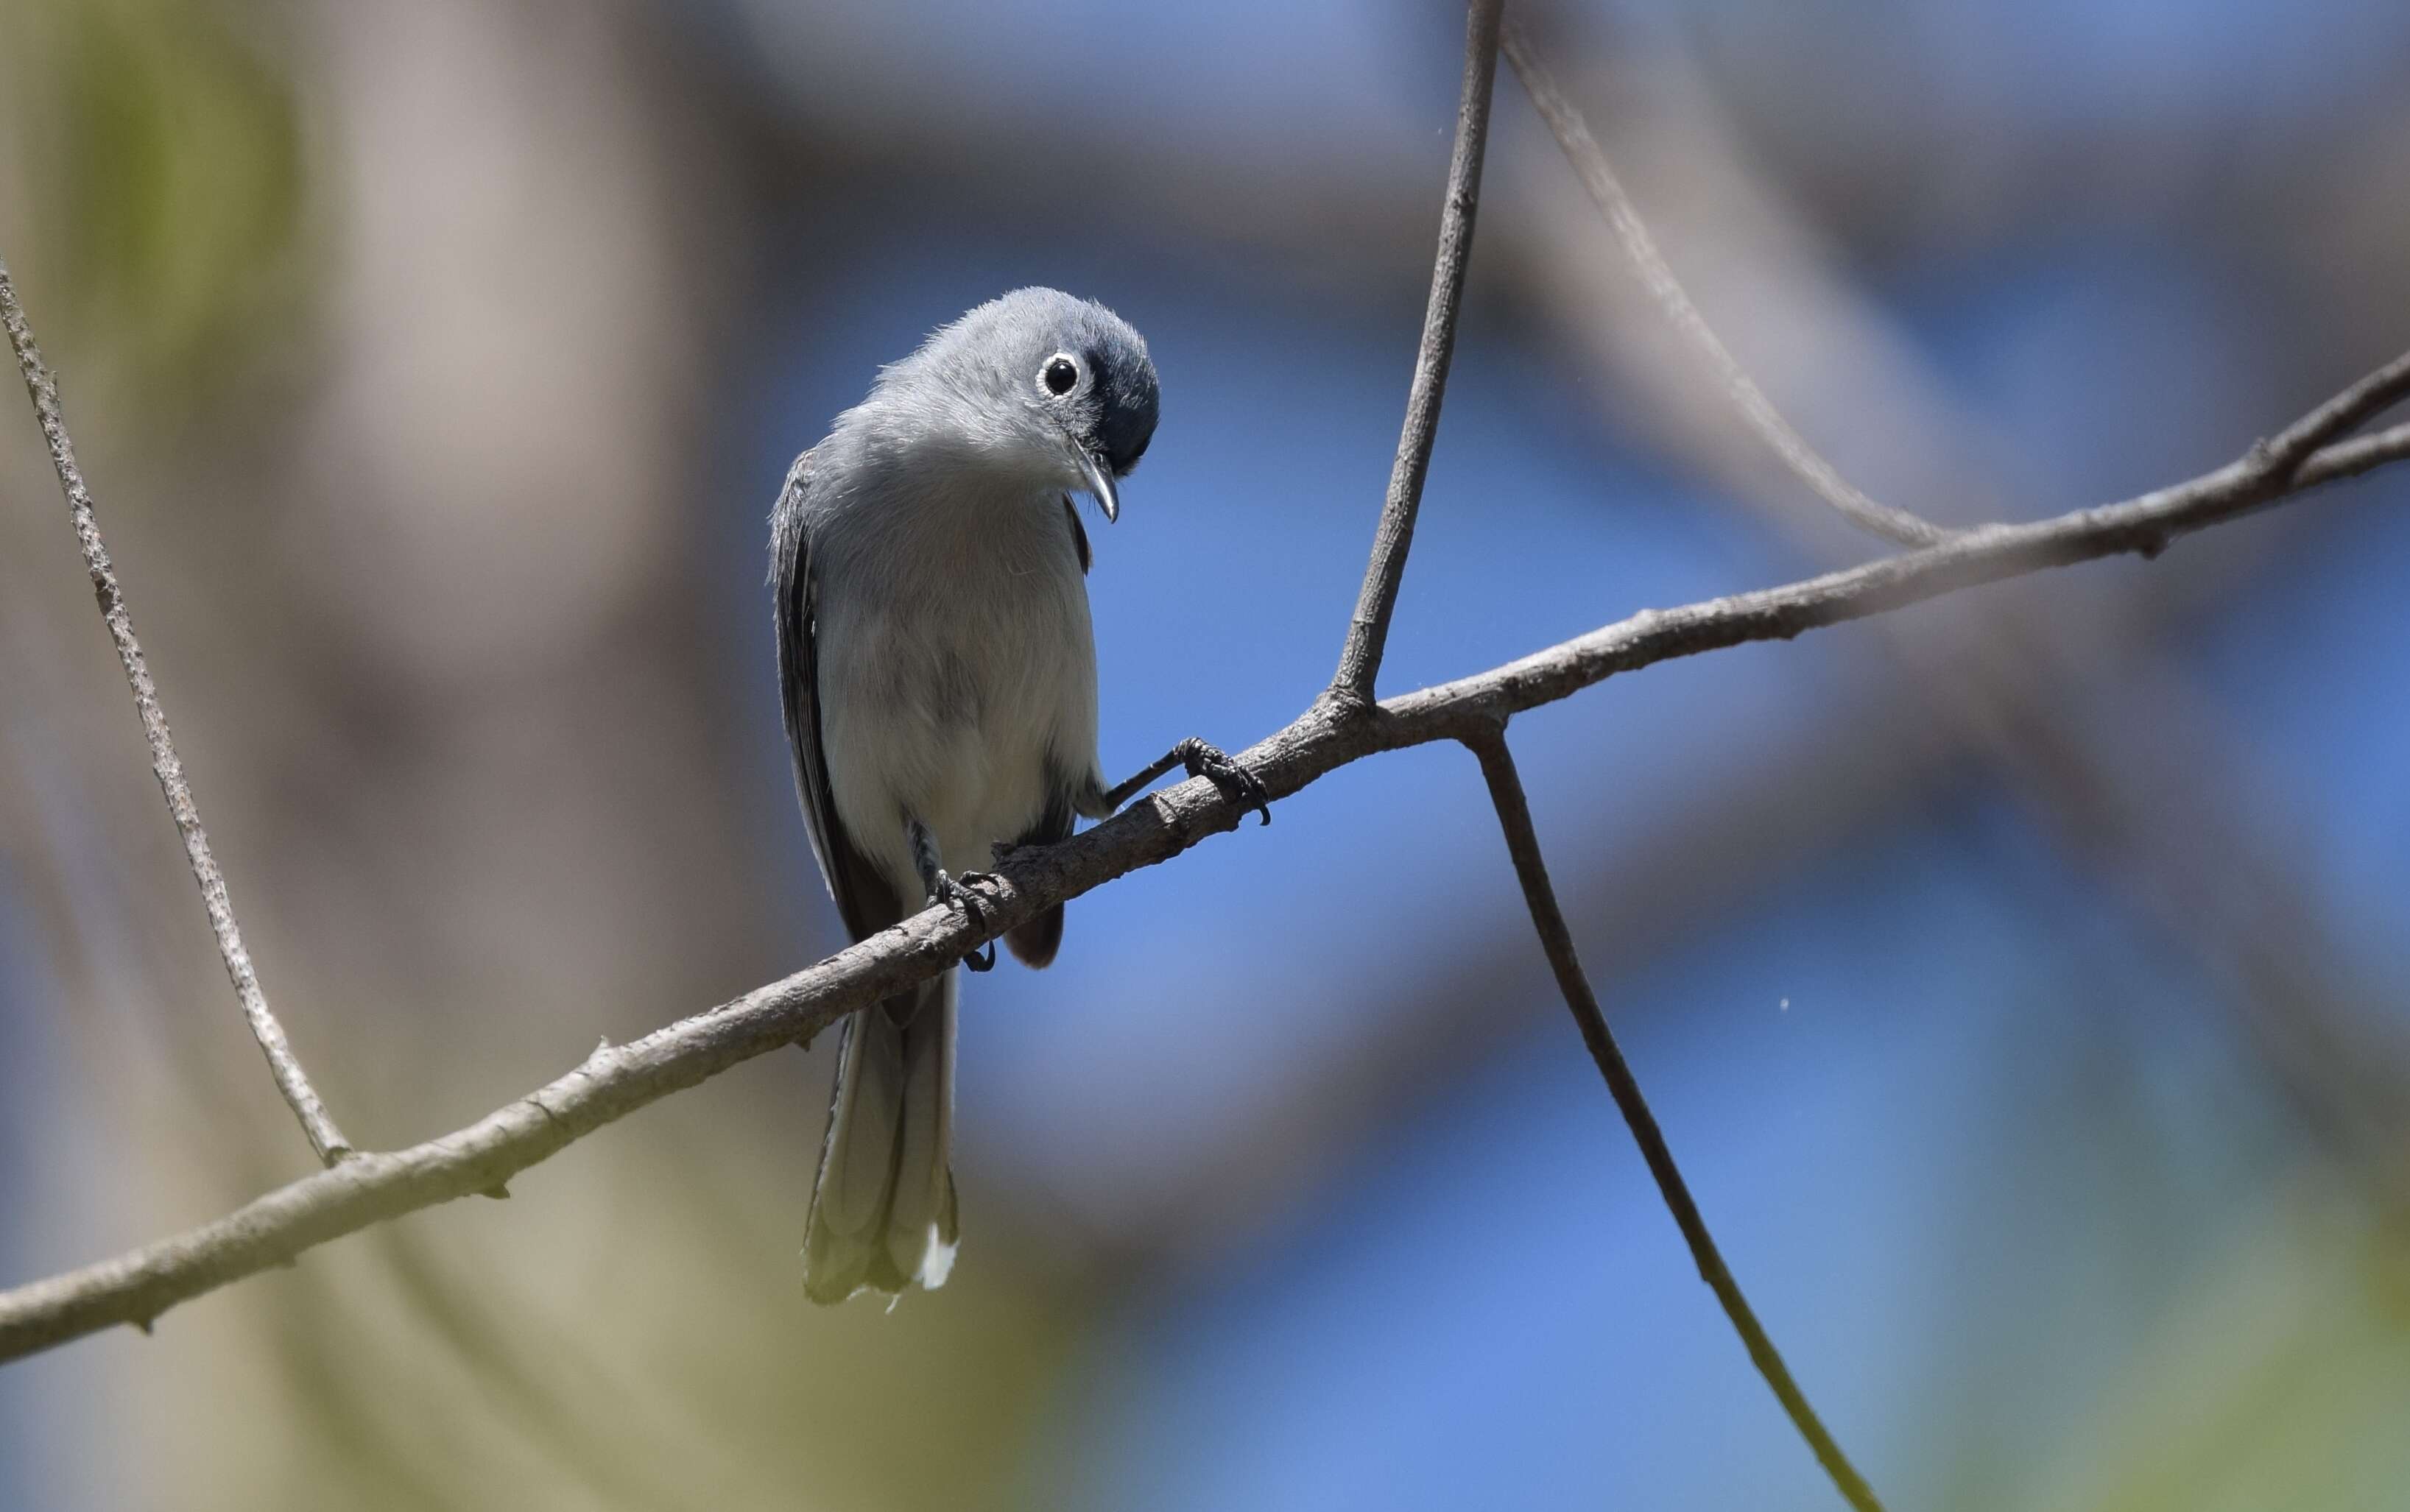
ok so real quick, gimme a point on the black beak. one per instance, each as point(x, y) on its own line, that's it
point(1099, 479)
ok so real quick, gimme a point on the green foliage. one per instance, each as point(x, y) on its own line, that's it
point(168, 184)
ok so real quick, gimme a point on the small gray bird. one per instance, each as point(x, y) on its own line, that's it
point(939, 676)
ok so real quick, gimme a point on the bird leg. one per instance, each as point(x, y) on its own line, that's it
point(1200, 759)
point(941, 888)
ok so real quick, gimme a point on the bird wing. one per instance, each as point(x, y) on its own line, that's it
point(864, 898)
point(1079, 536)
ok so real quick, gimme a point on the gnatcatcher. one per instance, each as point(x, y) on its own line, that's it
point(939, 675)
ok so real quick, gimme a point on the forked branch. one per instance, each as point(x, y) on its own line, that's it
point(614, 1082)
point(1344, 726)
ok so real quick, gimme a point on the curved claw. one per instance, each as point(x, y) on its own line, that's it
point(955, 892)
point(1252, 793)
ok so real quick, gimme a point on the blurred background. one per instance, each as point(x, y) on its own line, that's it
point(2019, 979)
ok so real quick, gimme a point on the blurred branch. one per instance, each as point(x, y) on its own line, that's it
point(1607, 192)
point(2015, 688)
point(135, 1286)
point(325, 1138)
point(1367, 632)
point(1556, 941)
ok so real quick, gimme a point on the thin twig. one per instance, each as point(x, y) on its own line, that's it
point(325, 1138)
point(140, 1284)
point(1367, 632)
point(1607, 192)
point(1556, 941)
point(2338, 417)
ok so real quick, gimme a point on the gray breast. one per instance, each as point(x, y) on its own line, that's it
point(961, 689)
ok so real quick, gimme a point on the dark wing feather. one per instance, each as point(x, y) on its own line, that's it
point(863, 900)
point(1036, 942)
point(1079, 536)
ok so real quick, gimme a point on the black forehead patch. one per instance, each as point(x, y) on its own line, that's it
point(1125, 417)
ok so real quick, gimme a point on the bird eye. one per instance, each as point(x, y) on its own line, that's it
point(1060, 375)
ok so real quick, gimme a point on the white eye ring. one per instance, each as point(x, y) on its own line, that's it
point(1059, 374)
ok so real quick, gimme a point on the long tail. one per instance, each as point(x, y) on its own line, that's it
point(883, 1211)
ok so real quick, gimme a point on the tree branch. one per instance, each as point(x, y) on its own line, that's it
point(325, 1138)
point(1556, 940)
point(2007, 692)
point(1613, 202)
point(135, 1286)
point(1367, 632)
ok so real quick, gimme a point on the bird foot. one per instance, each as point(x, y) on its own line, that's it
point(958, 894)
point(1236, 783)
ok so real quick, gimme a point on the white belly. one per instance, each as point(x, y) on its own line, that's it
point(963, 708)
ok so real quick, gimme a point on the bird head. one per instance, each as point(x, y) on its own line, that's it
point(1066, 385)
